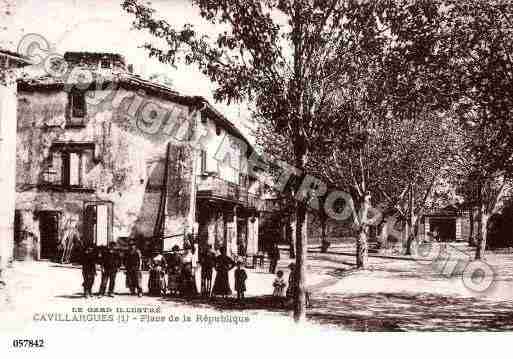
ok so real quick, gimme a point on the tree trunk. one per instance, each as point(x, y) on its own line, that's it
point(482, 229)
point(362, 254)
point(324, 241)
point(471, 241)
point(383, 235)
point(411, 221)
point(301, 252)
point(289, 233)
point(414, 229)
point(405, 236)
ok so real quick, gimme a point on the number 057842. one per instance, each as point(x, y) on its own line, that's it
point(28, 343)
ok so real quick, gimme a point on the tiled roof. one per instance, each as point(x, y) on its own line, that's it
point(39, 81)
point(15, 55)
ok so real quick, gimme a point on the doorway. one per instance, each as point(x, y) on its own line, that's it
point(446, 228)
point(97, 223)
point(242, 236)
point(49, 233)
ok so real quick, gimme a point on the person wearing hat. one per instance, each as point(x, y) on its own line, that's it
point(175, 259)
point(208, 262)
point(110, 263)
point(88, 261)
point(274, 257)
point(240, 280)
point(134, 269)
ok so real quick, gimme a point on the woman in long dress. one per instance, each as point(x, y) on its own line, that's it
point(291, 290)
point(223, 266)
point(156, 280)
point(188, 276)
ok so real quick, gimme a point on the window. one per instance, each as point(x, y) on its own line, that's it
point(67, 165)
point(243, 180)
point(78, 108)
point(4, 62)
point(72, 169)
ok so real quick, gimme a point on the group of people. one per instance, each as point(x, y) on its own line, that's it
point(175, 273)
point(171, 274)
point(110, 260)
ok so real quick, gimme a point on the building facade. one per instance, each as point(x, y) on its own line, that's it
point(103, 155)
point(9, 61)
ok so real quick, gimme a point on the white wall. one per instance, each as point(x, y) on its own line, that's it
point(221, 147)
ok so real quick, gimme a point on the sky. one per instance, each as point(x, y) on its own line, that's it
point(103, 26)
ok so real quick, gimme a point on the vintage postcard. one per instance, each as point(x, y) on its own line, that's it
point(249, 177)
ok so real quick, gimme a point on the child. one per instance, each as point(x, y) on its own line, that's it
point(240, 280)
point(279, 285)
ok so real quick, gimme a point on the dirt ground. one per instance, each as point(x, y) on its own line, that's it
point(392, 294)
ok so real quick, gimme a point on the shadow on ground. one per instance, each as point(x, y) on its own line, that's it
point(255, 303)
point(383, 312)
point(270, 304)
point(375, 312)
point(412, 312)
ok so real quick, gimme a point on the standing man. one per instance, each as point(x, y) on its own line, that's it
point(133, 269)
point(274, 257)
point(208, 262)
point(88, 262)
point(110, 263)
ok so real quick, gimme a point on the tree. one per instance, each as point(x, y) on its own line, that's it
point(480, 44)
point(269, 62)
point(322, 75)
point(292, 59)
point(481, 190)
point(398, 164)
point(7, 10)
point(393, 105)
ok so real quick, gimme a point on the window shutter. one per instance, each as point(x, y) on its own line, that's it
point(203, 159)
point(65, 169)
point(74, 169)
point(78, 104)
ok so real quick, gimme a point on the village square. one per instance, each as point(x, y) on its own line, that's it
point(346, 164)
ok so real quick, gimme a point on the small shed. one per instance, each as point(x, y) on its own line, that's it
point(450, 223)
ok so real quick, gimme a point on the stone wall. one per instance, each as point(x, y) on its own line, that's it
point(7, 169)
point(126, 168)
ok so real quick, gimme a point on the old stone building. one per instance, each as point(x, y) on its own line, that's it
point(104, 155)
point(228, 198)
point(9, 61)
